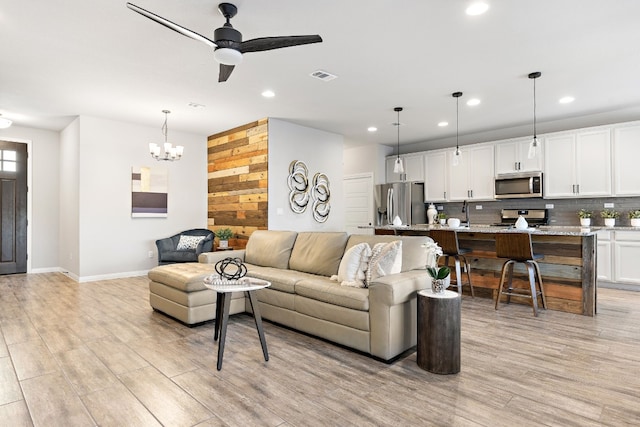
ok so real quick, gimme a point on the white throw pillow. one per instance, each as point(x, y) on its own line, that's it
point(353, 264)
point(386, 258)
point(188, 243)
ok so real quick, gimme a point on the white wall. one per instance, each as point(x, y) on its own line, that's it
point(111, 242)
point(43, 199)
point(367, 159)
point(321, 152)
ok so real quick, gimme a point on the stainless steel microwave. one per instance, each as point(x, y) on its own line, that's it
point(518, 185)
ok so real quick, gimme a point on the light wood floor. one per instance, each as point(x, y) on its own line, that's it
point(96, 354)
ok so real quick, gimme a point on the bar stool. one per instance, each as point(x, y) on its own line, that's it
point(517, 248)
point(448, 241)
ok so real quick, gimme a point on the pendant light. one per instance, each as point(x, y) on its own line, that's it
point(534, 146)
point(455, 159)
point(171, 153)
point(398, 167)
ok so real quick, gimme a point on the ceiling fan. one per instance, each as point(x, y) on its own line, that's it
point(227, 41)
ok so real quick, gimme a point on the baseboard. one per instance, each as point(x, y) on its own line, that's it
point(46, 270)
point(621, 286)
point(84, 279)
point(113, 276)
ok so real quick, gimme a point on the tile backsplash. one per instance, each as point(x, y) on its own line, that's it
point(564, 211)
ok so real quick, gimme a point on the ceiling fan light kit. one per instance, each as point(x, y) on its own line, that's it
point(227, 40)
point(227, 56)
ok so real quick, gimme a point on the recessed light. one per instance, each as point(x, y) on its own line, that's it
point(566, 100)
point(372, 129)
point(473, 102)
point(443, 124)
point(477, 8)
point(268, 94)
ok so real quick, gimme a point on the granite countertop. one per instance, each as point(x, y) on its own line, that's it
point(548, 230)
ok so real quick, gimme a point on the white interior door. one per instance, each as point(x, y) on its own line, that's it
point(359, 206)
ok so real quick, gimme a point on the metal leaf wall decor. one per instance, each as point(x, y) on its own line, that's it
point(321, 196)
point(298, 186)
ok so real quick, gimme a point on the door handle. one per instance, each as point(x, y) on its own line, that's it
point(390, 206)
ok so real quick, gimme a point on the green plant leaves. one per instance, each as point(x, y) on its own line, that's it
point(438, 273)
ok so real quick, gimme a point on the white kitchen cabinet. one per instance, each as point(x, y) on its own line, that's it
point(413, 168)
point(512, 157)
point(605, 255)
point(473, 177)
point(435, 184)
point(626, 252)
point(578, 164)
point(626, 152)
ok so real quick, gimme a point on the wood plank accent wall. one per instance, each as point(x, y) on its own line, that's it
point(238, 178)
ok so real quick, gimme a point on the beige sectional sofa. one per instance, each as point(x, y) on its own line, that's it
point(379, 320)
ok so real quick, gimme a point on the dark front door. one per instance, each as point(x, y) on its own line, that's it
point(13, 207)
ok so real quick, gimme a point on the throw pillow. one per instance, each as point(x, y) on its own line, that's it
point(386, 258)
point(188, 243)
point(353, 265)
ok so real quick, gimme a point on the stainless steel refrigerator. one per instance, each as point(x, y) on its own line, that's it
point(402, 199)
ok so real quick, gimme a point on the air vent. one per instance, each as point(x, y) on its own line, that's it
point(323, 75)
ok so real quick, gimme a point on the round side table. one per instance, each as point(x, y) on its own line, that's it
point(439, 332)
point(223, 303)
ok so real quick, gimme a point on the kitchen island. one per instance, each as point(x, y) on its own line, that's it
point(568, 268)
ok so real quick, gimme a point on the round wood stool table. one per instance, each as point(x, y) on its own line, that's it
point(439, 332)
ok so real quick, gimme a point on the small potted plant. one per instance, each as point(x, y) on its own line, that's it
point(440, 278)
point(634, 216)
point(442, 217)
point(585, 217)
point(610, 217)
point(223, 235)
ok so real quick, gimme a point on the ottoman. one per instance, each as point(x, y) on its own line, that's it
point(177, 290)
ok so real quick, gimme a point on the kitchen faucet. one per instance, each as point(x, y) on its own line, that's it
point(465, 210)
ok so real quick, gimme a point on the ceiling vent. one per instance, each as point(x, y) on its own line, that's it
point(323, 75)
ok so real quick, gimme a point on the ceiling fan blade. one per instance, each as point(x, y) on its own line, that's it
point(171, 25)
point(270, 43)
point(225, 72)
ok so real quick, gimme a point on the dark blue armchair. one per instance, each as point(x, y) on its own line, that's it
point(184, 246)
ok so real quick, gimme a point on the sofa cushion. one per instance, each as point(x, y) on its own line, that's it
point(179, 256)
point(414, 255)
point(353, 266)
point(318, 252)
point(281, 280)
point(357, 319)
point(187, 277)
point(269, 248)
point(322, 289)
point(386, 259)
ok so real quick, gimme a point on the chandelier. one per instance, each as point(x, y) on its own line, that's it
point(171, 153)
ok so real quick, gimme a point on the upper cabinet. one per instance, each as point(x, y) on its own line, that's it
point(626, 152)
point(413, 168)
point(512, 156)
point(591, 162)
point(473, 177)
point(578, 164)
point(435, 184)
